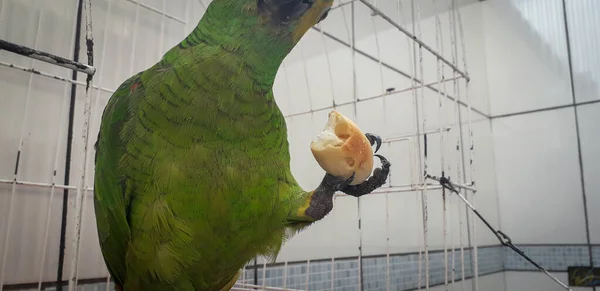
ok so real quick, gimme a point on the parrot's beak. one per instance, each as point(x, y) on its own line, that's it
point(316, 14)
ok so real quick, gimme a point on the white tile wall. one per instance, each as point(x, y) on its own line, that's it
point(527, 165)
point(536, 155)
point(32, 107)
point(538, 177)
point(484, 175)
point(527, 64)
point(37, 108)
point(589, 126)
point(335, 236)
point(398, 119)
point(583, 19)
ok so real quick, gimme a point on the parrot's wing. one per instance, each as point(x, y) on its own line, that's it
point(111, 197)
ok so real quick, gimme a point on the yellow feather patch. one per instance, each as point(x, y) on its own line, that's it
point(301, 212)
point(250, 7)
point(231, 282)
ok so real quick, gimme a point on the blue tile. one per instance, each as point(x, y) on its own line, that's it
point(404, 269)
point(555, 258)
point(596, 255)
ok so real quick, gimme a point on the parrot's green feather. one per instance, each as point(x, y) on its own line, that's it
point(114, 198)
point(192, 169)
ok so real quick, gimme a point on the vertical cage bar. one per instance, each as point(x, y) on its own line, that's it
point(459, 154)
point(1, 11)
point(453, 253)
point(100, 79)
point(17, 163)
point(349, 33)
point(285, 271)
point(135, 35)
point(473, 222)
point(333, 234)
point(419, 159)
point(264, 273)
point(589, 47)
point(69, 148)
point(93, 109)
point(424, 128)
point(377, 47)
point(307, 274)
point(387, 242)
point(162, 28)
point(81, 189)
point(328, 67)
point(355, 98)
point(107, 283)
point(439, 41)
point(53, 187)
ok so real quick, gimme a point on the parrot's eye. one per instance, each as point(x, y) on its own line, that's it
point(325, 14)
point(285, 11)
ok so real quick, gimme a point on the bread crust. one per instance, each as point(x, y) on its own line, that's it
point(342, 148)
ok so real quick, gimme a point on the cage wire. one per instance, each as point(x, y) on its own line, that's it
point(450, 86)
point(418, 87)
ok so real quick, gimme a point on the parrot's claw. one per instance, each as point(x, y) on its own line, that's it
point(377, 180)
point(337, 183)
point(345, 183)
point(374, 139)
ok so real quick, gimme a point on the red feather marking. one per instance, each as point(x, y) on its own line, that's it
point(134, 86)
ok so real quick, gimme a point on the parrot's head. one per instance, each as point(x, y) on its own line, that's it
point(291, 19)
point(265, 30)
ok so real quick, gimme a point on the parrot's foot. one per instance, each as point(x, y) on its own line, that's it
point(377, 180)
point(374, 139)
point(336, 183)
point(320, 200)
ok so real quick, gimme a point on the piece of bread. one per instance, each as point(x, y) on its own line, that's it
point(341, 149)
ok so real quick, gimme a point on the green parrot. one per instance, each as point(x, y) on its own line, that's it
point(192, 161)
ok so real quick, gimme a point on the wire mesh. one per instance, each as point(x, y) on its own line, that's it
point(422, 87)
